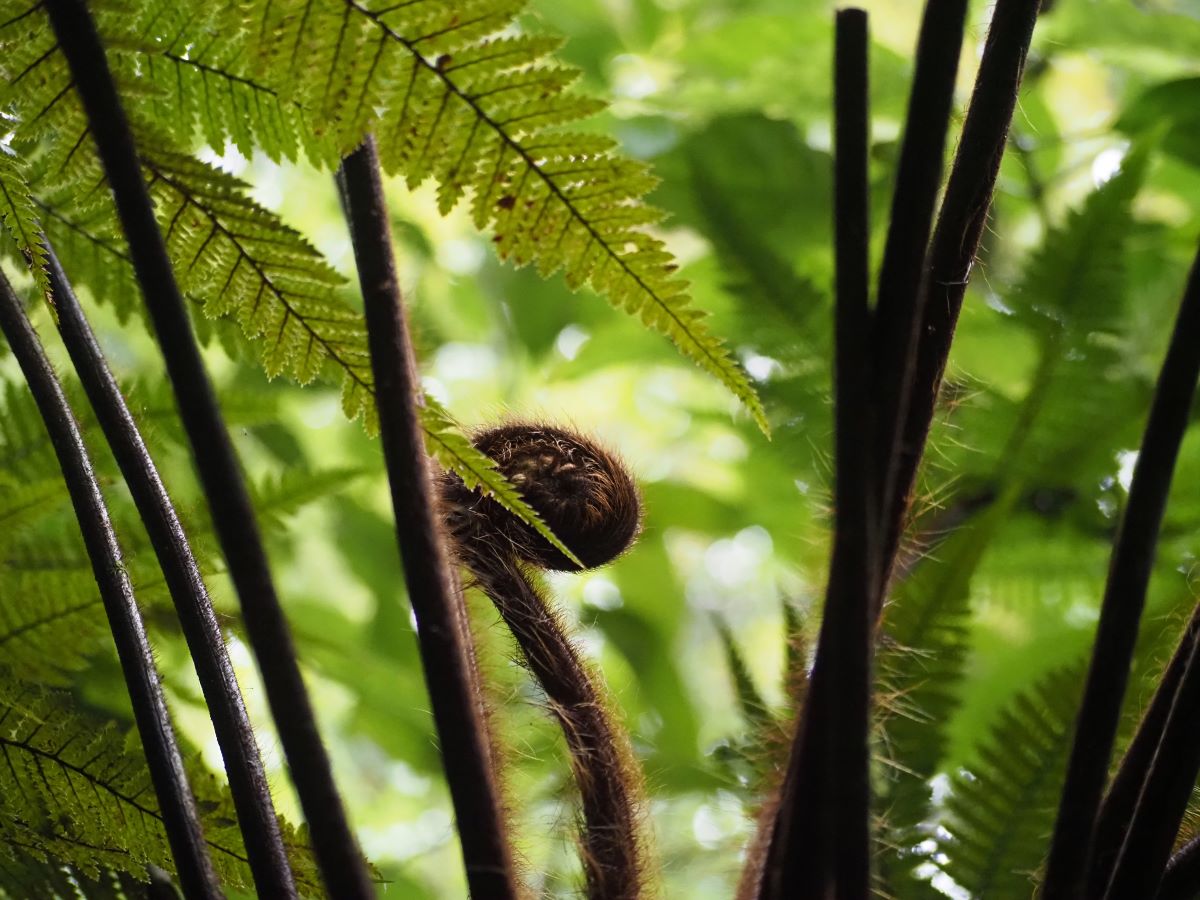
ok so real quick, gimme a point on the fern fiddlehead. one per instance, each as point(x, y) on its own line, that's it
point(589, 500)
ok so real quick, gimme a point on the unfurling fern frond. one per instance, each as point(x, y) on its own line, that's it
point(76, 791)
point(1001, 810)
point(445, 442)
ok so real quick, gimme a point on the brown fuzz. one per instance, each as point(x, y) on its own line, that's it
point(582, 492)
point(591, 503)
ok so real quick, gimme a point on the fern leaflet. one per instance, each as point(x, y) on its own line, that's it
point(75, 790)
point(19, 215)
point(1001, 811)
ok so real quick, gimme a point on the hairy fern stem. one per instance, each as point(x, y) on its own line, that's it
point(588, 499)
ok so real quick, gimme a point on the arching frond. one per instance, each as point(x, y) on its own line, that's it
point(452, 95)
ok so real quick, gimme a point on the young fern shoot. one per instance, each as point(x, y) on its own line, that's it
point(591, 503)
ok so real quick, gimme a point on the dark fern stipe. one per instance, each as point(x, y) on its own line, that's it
point(342, 866)
point(178, 806)
point(590, 501)
point(1171, 778)
point(251, 793)
point(820, 837)
point(443, 635)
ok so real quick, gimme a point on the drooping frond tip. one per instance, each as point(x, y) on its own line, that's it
point(457, 92)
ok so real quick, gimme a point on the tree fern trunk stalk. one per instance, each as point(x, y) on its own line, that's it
point(1145, 852)
point(898, 305)
point(341, 864)
point(1181, 881)
point(444, 639)
point(1172, 774)
point(175, 800)
point(821, 840)
point(601, 760)
point(247, 781)
point(1116, 810)
point(955, 241)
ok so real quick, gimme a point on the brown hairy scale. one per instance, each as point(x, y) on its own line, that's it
point(583, 493)
point(589, 500)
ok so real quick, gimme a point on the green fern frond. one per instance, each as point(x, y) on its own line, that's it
point(757, 273)
point(920, 662)
point(489, 123)
point(449, 101)
point(76, 790)
point(754, 709)
point(34, 80)
point(27, 877)
point(52, 623)
point(22, 501)
point(20, 218)
point(1073, 286)
point(242, 261)
point(1000, 811)
point(281, 496)
point(190, 60)
point(1073, 289)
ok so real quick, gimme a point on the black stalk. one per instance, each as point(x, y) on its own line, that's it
point(955, 241)
point(175, 800)
point(341, 864)
point(918, 176)
point(821, 841)
point(1144, 854)
point(247, 780)
point(443, 636)
point(1116, 811)
point(1181, 881)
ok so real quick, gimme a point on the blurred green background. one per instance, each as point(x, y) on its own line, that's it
point(730, 101)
